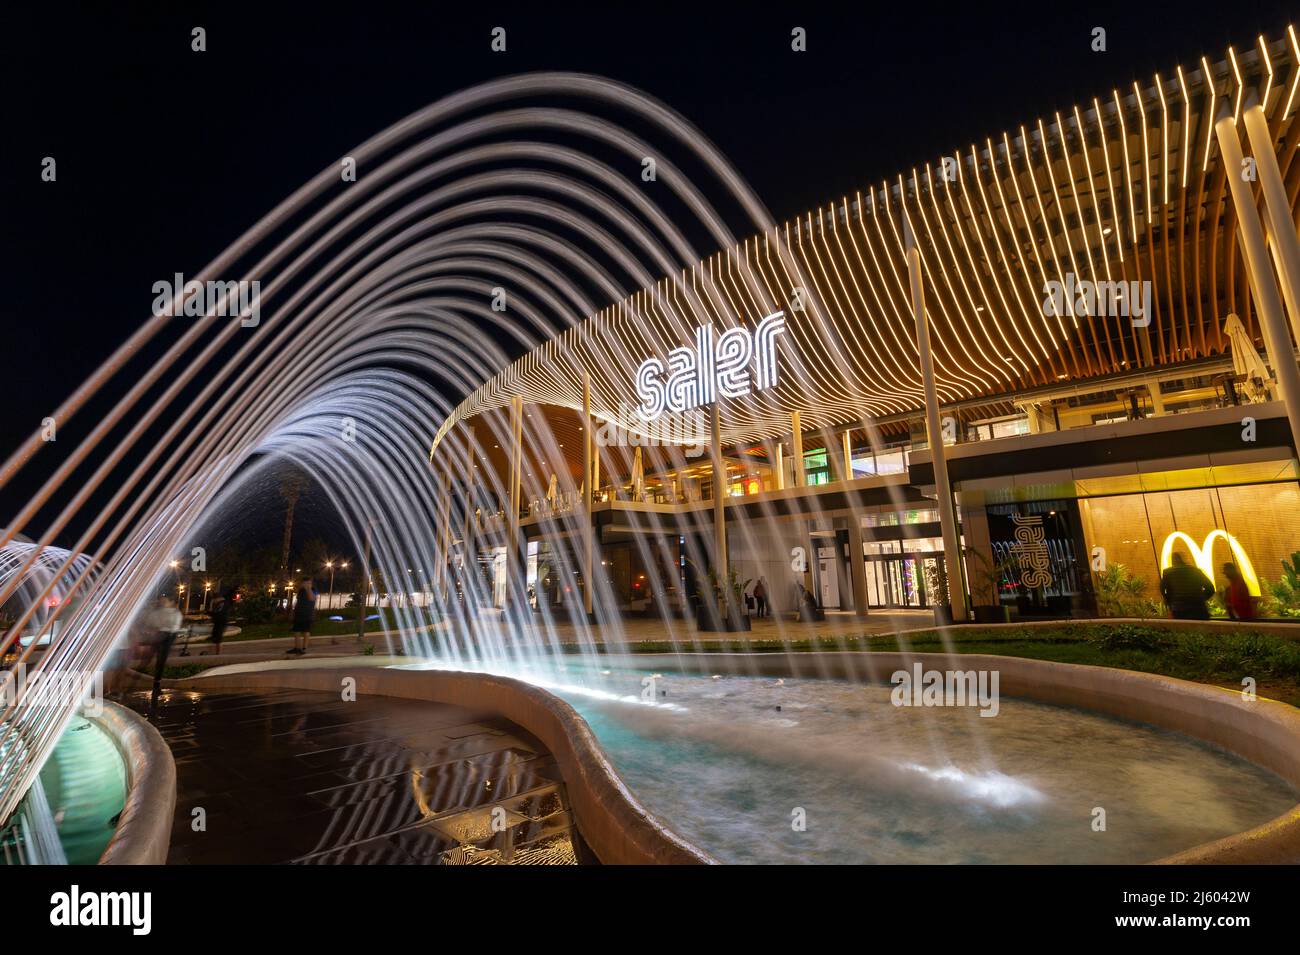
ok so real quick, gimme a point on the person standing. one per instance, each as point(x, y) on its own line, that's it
point(304, 614)
point(220, 614)
point(760, 596)
point(1186, 590)
point(1237, 597)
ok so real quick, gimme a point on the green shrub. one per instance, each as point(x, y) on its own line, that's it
point(1128, 637)
point(1121, 593)
point(258, 607)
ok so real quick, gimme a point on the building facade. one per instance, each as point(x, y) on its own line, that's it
point(1113, 374)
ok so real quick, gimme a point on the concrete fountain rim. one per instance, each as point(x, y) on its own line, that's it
point(620, 830)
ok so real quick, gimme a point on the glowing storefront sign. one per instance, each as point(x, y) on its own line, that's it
point(710, 370)
point(1030, 549)
point(1203, 556)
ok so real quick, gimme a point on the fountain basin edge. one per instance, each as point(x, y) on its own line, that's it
point(617, 828)
point(144, 828)
point(621, 831)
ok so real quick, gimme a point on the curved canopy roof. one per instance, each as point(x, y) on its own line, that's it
point(1126, 187)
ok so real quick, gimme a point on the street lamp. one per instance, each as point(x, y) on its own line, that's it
point(330, 565)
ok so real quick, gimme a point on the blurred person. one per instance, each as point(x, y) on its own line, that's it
point(162, 625)
point(760, 597)
point(1236, 596)
point(1186, 590)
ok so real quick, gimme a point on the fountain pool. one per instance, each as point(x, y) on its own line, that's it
point(71, 814)
point(730, 762)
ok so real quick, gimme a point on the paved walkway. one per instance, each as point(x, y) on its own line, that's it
point(289, 776)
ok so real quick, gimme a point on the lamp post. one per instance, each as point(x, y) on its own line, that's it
point(330, 565)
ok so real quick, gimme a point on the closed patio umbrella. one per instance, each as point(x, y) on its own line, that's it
point(1246, 361)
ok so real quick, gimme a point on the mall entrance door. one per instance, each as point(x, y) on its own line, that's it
point(901, 581)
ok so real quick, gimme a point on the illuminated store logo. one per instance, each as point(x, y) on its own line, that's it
point(1030, 549)
point(1203, 556)
point(700, 375)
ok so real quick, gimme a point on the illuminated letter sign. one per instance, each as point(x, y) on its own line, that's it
point(1031, 548)
point(710, 370)
point(1203, 556)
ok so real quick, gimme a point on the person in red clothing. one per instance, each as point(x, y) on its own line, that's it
point(1236, 597)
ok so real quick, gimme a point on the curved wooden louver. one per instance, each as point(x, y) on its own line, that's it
point(1126, 187)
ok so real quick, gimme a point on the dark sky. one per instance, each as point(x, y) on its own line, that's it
point(165, 156)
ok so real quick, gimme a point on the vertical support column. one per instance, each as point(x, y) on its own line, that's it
point(443, 585)
point(1281, 355)
point(722, 563)
point(516, 491)
point(588, 495)
point(779, 460)
point(1157, 399)
point(467, 548)
point(846, 455)
point(857, 565)
point(796, 447)
point(934, 435)
point(975, 521)
point(1031, 417)
point(1281, 228)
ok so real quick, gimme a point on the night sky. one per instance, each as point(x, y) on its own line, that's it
point(165, 155)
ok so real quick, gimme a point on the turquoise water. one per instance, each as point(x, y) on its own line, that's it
point(720, 764)
point(84, 783)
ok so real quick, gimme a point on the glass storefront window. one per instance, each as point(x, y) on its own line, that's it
point(816, 467)
point(867, 463)
point(924, 515)
point(1130, 531)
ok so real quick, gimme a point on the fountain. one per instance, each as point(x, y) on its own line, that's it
point(387, 311)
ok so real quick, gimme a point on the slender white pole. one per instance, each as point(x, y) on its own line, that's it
point(516, 492)
point(1277, 337)
point(1281, 228)
point(796, 447)
point(722, 565)
point(934, 434)
point(588, 495)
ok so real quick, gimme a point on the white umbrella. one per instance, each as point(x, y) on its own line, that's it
point(551, 492)
point(1246, 361)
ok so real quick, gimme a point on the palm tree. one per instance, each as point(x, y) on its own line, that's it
point(291, 488)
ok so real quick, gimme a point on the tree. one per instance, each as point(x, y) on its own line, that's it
point(291, 488)
point(312, 557)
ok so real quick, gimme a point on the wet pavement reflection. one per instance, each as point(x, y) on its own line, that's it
point(292, 776)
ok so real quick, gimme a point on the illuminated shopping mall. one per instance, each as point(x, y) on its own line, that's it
point(1102, 375)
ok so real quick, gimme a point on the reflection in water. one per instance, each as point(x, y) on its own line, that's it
point(730, 767)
